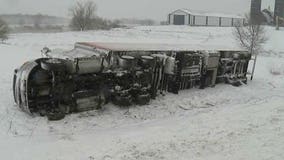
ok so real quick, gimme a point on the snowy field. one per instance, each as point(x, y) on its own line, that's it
point(221, 123)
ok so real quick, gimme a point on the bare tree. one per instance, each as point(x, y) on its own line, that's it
point(82, 15)
point(4, 29)
point(251, 37)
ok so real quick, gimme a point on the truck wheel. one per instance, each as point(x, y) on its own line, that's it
point(55, 116)
point(143, 99)
point(53, 64)
point(123, 101)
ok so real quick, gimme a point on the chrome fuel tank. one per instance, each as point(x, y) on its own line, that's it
point(88, 65)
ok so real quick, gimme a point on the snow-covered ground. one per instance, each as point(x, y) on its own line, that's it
point(224, 122)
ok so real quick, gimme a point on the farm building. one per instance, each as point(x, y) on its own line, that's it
point(188, 17)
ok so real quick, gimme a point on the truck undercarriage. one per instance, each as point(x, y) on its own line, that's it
point(56, 86)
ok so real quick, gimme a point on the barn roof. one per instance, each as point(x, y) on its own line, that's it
point(210, 14)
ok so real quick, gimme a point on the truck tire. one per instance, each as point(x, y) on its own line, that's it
point(143, 99)
point(123, 101)
point(55, 116)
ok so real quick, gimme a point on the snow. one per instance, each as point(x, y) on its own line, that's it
point(221, 123)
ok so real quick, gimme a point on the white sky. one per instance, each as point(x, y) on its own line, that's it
point(154, 9)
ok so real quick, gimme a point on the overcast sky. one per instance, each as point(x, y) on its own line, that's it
point(154, 9)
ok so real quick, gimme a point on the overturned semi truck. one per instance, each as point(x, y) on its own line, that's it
point(93, 74)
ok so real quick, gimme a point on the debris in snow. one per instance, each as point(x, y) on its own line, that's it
point(184, 108)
